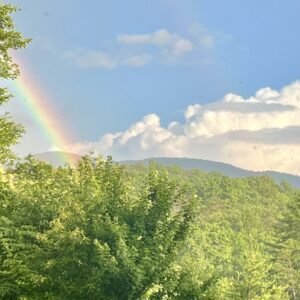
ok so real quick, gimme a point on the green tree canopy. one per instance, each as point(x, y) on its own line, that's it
point(10, 39)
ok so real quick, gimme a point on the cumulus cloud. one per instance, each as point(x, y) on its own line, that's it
point(258, 133)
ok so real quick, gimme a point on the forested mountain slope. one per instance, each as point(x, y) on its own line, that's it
point(219, 167)
point(55, 158)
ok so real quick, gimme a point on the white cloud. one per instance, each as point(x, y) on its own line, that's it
point(97, 59)
point(133, 49)
point(136, 60)
point(55, 148)
point(258, 133)
point(181, 47)
point(192, 110)
point(159, 38)
point(201, 35)
point(171, 43)
point(92, 59)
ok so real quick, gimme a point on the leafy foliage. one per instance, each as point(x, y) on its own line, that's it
point(10, 39)
point(89, 227)
point(104, 231)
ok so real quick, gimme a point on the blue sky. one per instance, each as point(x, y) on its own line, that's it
point(107, 64)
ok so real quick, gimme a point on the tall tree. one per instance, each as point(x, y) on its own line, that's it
point(10, 39)
point(90, 233)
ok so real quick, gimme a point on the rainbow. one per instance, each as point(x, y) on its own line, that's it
point(28, 92)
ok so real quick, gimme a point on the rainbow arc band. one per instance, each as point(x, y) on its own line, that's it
point(41, 111)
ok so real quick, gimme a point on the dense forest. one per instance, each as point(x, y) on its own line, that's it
point(100, 230)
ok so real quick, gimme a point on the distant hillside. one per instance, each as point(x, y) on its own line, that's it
point(223, 168)
point(55, 158)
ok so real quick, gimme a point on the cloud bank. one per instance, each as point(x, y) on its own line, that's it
point(258, 133)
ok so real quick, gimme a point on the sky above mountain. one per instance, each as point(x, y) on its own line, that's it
point(205, 79)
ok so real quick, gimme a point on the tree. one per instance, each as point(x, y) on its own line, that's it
point(287, 247)
point(90, 233)
point(10, 39)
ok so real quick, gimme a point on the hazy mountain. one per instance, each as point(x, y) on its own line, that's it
point(223, 168)
point(57, 158)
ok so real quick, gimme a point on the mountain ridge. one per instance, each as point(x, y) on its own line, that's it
point(54, 157)
point(219, 167)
